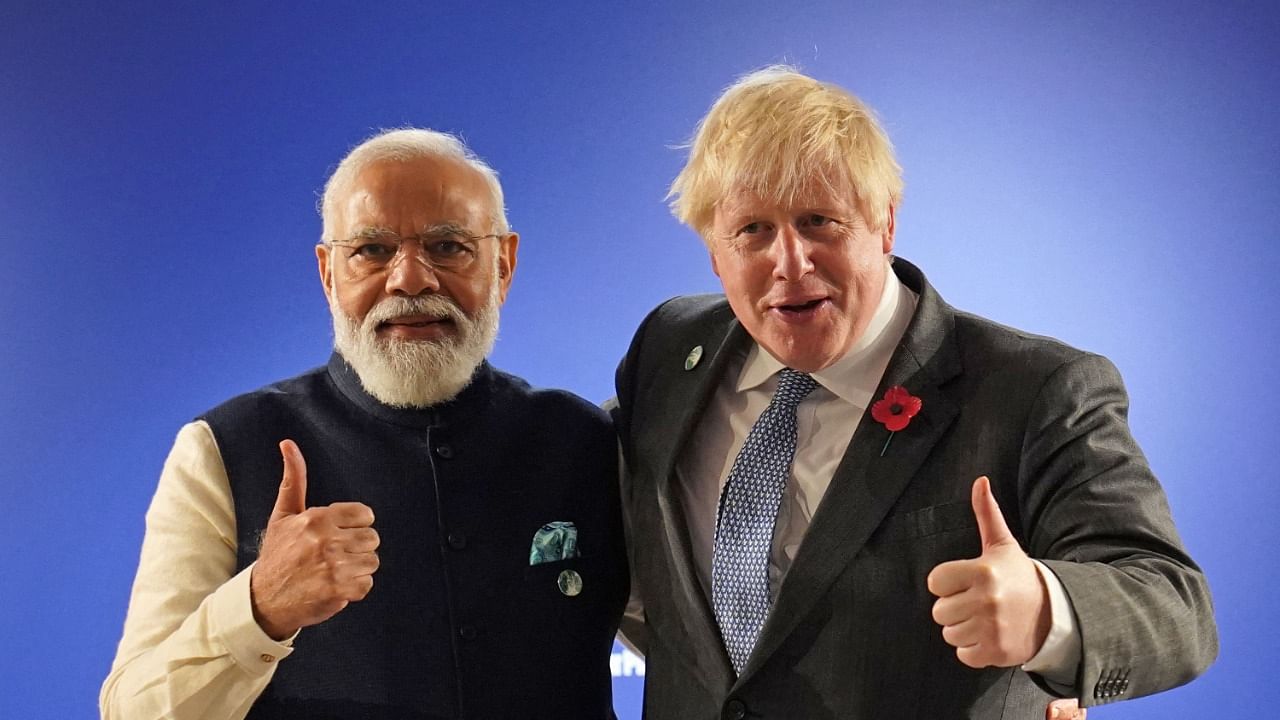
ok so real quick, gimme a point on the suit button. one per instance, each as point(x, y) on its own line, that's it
point(735, 710)
point(457, 540)
point(444, 451)
point(467, 632)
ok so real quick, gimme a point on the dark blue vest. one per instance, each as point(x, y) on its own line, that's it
point(458, 624)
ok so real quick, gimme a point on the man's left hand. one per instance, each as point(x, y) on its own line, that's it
point(993, 609)
point(1068, 709)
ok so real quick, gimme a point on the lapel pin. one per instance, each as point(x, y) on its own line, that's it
point(570, 582)
point(894, 411)
point(695, 355)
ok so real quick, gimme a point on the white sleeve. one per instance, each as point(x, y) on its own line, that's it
point(191, 647)
point(1059, 656)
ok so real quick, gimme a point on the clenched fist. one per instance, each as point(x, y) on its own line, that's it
point(314, 561)
point(994, 609)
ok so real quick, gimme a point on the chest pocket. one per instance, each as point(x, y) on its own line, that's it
point(927, 521)
point(930, 534)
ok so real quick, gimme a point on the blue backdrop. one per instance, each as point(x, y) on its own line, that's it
point(1103, 172)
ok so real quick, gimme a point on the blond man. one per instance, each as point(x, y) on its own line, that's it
point(849, 499)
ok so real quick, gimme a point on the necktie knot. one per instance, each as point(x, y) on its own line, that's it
point(793, 386)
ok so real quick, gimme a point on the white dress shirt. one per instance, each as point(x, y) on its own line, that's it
point(825, 423)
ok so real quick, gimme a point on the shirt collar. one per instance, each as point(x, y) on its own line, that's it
point(854, 377)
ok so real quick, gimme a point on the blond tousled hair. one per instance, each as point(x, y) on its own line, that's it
point(775, 130)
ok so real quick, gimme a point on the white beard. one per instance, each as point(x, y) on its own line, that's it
point(416, 373)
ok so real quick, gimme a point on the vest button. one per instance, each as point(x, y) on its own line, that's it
point(735, 710)
point(457, 540)
point(444, 451)
point(467, 632)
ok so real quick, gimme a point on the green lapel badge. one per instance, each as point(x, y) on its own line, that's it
point(695, 355)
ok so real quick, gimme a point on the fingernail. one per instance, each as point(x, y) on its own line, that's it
point(1055, 712)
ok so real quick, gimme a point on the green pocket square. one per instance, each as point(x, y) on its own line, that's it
point(554, 541)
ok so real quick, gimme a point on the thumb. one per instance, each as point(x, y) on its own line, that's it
point(292, 499)
point(991, 525)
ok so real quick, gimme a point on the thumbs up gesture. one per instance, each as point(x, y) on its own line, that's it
point(314, 561)
point(993, 609)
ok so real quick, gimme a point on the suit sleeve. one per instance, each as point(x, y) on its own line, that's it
point(191, 648)
point(1098, 518)
point(633, 628)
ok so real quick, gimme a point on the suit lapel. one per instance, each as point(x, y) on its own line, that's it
point(695, 389)
point(866, 484)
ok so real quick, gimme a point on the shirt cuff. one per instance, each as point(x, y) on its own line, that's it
point(237, 631)
point(1059, 656)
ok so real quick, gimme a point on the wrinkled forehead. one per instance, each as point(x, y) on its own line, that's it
point(406, 196)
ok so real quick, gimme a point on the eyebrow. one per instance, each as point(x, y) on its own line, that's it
point(372, 233)
point(435, 230)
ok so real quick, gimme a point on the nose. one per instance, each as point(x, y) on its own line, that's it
point(411, 274)
point(791, 255)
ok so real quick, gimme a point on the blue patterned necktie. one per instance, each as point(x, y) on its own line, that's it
point(748, 510)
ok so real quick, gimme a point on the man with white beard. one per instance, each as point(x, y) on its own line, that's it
point(406, 532)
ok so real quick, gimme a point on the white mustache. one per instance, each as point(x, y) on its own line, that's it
point(431, 305)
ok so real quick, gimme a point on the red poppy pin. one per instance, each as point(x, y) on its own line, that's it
point(895, 410)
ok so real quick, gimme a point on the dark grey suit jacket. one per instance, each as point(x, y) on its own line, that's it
point(850, 634)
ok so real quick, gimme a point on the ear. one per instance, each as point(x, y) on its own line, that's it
point(507, 247)
point(323, 257)
point(887, 240)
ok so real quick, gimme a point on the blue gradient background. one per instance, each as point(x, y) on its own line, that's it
point(1103, 172)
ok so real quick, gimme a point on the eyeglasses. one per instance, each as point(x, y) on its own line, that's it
point(444, 247)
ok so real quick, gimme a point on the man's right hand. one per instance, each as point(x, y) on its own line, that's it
point(314, 561)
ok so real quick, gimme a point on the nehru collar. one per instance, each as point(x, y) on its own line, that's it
point(469, 400)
